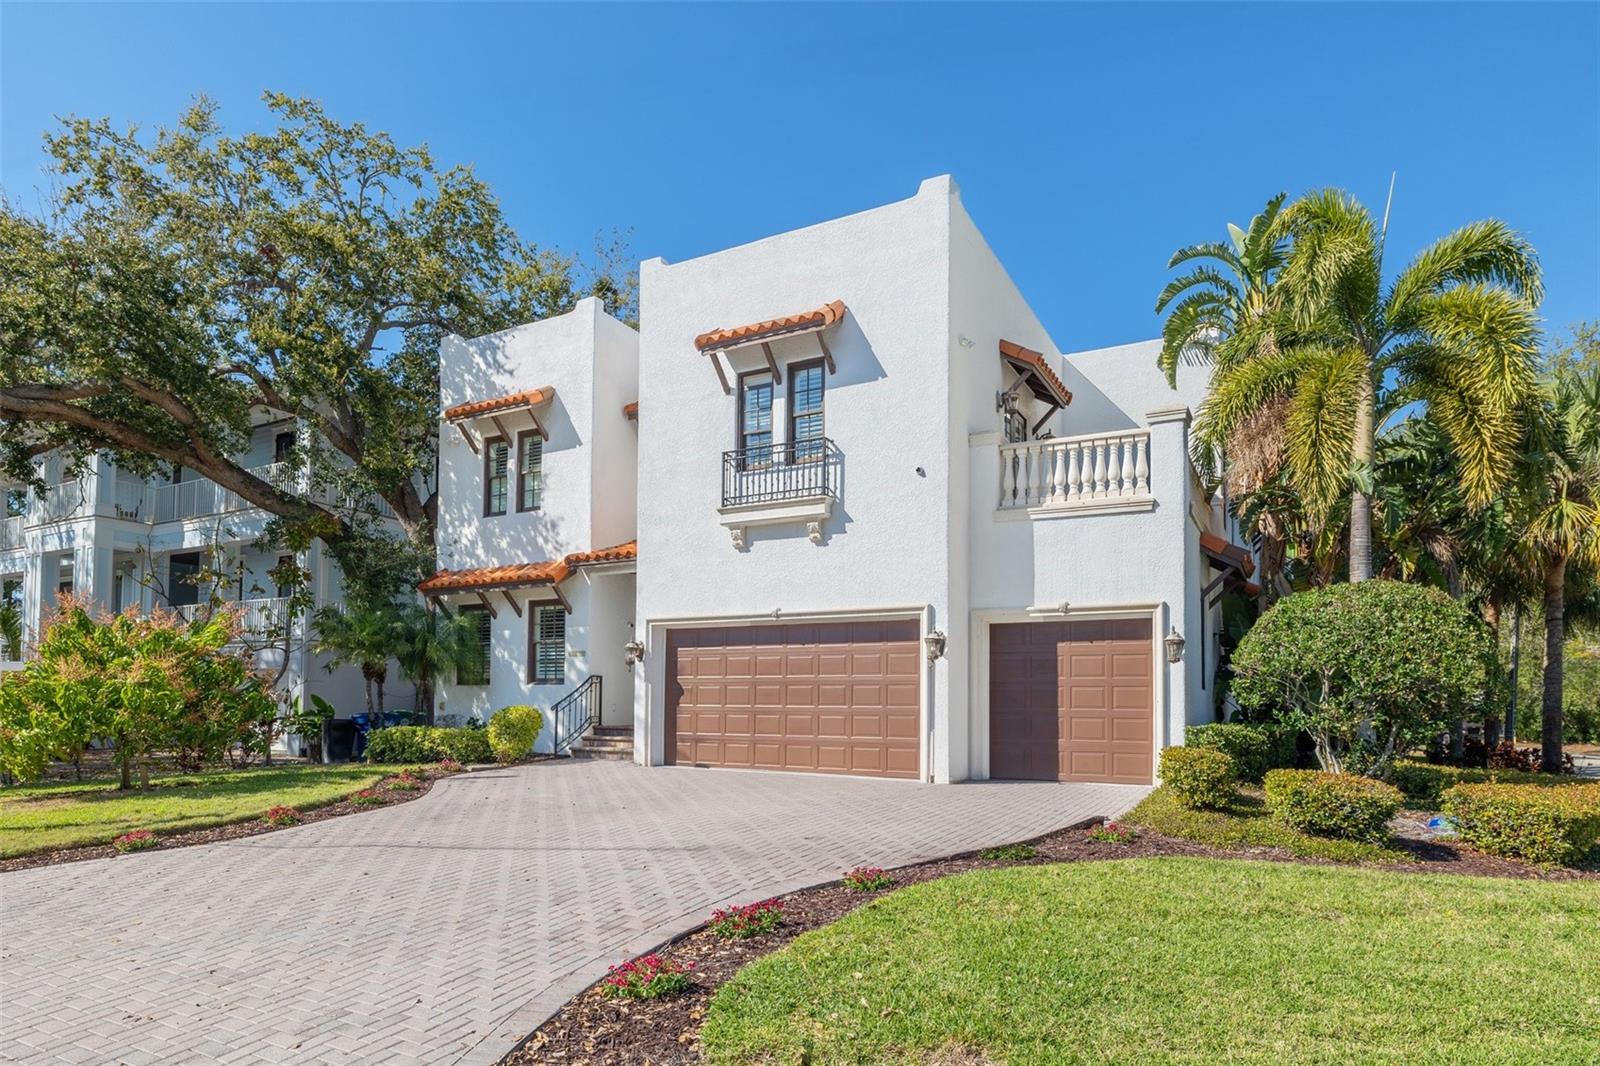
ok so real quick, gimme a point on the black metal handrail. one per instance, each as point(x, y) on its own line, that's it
point(771, 473)
point(575, 714)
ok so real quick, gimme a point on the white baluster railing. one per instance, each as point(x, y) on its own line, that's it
point(193, 499)
point(11, 532)
point(1075, 471)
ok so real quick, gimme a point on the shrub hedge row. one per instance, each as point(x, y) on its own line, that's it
point(421, 743)
point(1336, 805)
point(513, 730)
point(1425, 783)
point(1537, 824)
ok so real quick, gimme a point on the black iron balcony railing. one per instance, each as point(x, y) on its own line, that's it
point(772, 473)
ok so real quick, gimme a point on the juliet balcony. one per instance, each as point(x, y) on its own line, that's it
point(796, 482)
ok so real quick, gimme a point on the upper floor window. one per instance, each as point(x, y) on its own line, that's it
point(805, 411)
point(16, 502)
point(476, 670)
point(496, 475)
point(282, 446)
point(755, 418)
point(530, 471)
point(547, 645)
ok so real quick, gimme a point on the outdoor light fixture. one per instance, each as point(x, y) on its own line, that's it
point(1174, 643)
point(633, 652)
point(934, 642)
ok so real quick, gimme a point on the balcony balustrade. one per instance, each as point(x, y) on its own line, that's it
point(1095, 471)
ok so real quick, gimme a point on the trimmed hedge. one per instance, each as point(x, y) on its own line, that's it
point(422, 743)
point(1425, 783)
point(1336, 805)
point(1199, 778)
point(1254, 749)
point(1543, 825)
point(513, 730)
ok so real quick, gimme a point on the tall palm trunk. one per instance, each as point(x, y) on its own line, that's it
point(1491, 723)
point(1361, 453)
point(1555, 638)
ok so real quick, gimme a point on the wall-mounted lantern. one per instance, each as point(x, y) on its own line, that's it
point(633, 652)
point(934, 642)
point(1174, 643)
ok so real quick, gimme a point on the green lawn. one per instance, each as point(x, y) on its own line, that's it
point(1182, 961)
point(1246, 824)
point(47, 817)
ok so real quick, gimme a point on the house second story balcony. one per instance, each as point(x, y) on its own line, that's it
point(775, 484)
point(1094, 472)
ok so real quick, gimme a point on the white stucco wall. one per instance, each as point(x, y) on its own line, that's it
point(887, 545)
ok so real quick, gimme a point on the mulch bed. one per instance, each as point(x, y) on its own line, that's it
point(233, 831)
point(594, 1030)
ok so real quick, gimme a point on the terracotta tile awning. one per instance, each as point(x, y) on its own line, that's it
point(498, 404)
point(1033, 367)
point(520, 575)
point(755, 332)
point(630, 411)
point(1225, 555)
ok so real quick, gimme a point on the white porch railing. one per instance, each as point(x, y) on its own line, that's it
point(201, 497)
point(64, 499)
point(10, 664)
point(256, 616)
point(1071, 472)
point(11, 532)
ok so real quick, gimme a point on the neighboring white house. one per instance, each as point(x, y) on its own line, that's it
point(883, 526)
point(180, 542)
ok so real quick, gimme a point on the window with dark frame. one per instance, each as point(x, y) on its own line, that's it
point(476, 672)
point(805, 411)
point(547, 644)
point(282, 446)
point(496, 475)
point(284, 562)
point(530, 471)
point(755, 419)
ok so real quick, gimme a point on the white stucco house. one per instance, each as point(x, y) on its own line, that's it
point(840, 505)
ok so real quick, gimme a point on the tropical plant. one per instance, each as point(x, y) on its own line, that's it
point(1560, 496)
point(430, 644)
point(1219, 314)
point(10, 630)
point(151, 684)
point(363, 635)
point(1455, 332)
point(1368, 670)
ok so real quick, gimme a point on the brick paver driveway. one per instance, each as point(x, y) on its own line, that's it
point(443, 930)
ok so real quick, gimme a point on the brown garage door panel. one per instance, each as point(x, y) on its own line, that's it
point(1071, 701)
point(829, 698)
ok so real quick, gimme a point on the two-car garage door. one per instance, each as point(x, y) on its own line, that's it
point(838, 697)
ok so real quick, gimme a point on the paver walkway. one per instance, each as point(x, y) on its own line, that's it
point(442, 931)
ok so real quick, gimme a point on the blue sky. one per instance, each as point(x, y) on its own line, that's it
point(1089, 140)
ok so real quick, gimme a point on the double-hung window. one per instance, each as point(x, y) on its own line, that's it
point(475, 671)
point(805, 411)
point(755, 420)
point(547, 644)
point(496, 475)
point(530, 471)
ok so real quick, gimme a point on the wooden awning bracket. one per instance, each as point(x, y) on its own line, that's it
point(512, 600)
point(465, 435)
point(716, 364)
point(827, 353)
point(487, 605)
point(562, 596)
point(772, 363)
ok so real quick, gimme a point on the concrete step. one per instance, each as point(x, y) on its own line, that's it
point(619, 754)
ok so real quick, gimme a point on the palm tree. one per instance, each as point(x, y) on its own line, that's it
point(1560, 493)
point(362, 635)
point(1455, 332)
point(1219, 313)
point(430, 644)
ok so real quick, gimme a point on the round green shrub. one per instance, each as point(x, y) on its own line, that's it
point(1346, 806)
point(1537, 824)
point(1254, 749)
point(1370, 670)
point(1198, 777)
point(513, 730)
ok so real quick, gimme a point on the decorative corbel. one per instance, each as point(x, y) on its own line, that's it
point(737, 533)
point(814, 531)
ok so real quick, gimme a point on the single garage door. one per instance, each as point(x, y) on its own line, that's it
point(838, 698)
point(1071, 701)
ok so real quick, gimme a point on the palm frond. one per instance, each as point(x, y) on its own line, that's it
point(1225, 289)
point(1483, 433)
point(1482, 253)
point(1207, 250)
point(1489, 336)
point(1195, 325)
point(1321, 423)
point(1253, 384)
